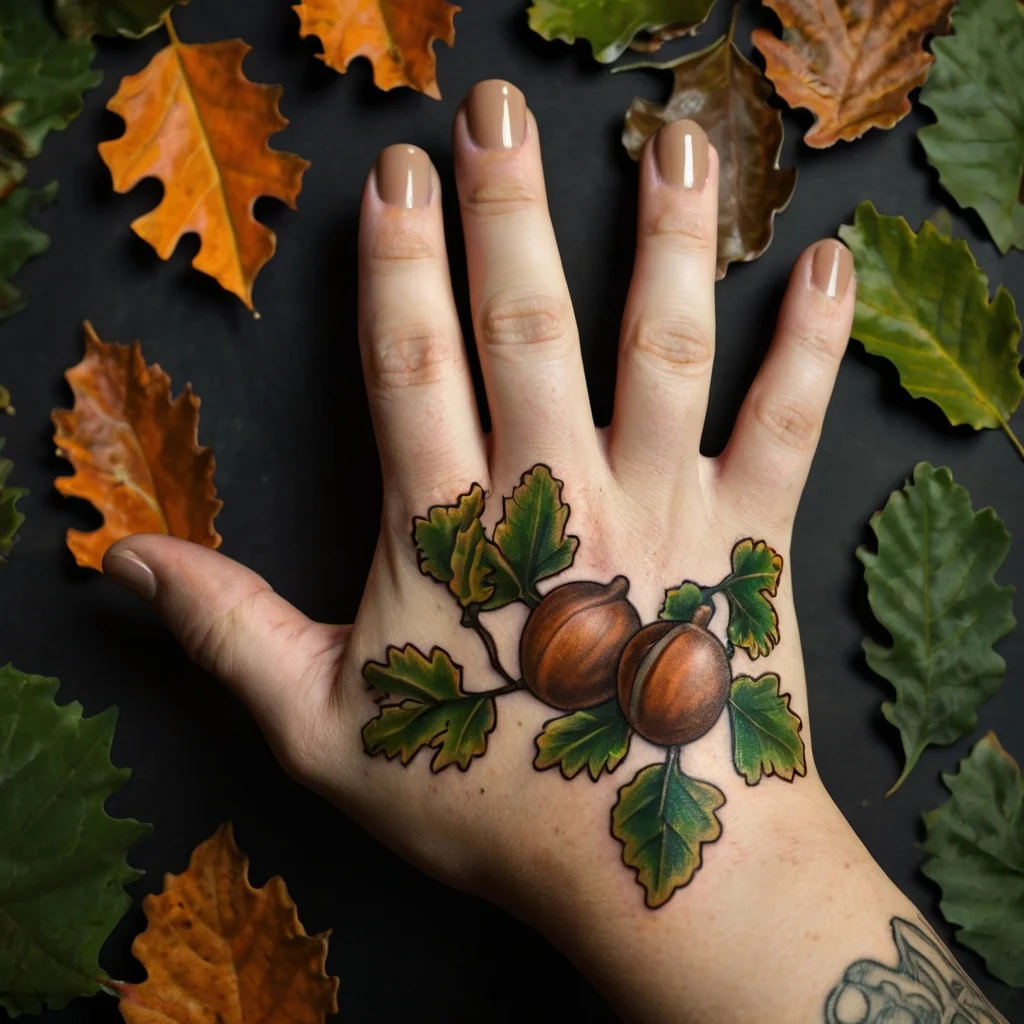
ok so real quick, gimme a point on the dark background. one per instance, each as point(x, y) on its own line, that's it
point(284, 408)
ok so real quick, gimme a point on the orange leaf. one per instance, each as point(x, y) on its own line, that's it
point(193, 120)
point(852, 63)
point(134, 451)
point(218, 950)
point(396, 36)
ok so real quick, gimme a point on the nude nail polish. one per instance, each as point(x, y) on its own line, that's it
point(125, 567)
point(831, 269)
point(404, 177)
point(681, 153)
point(496, 112)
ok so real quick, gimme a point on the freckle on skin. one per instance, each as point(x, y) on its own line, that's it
point(481, 790)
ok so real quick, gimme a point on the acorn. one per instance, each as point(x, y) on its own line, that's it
point(674, 680)
point(572, 641)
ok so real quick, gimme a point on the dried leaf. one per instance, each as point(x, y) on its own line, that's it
point(10, 518)
point(135, 452)
point(62, 860)
point(728, 97)
point(218, 949)
point(852, 63)
point(193, 120)
point(19, 241)
point(612, 25)
point(396, 36)
point(975, 850)
point(976, 90)
point(82, 19)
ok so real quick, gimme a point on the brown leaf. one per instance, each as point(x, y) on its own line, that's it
point(728, 97)
point(216, 949)
point(396, 36)
point(193, 120)
point(852, 63)
point(135, 452)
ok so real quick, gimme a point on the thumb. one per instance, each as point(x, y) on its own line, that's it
point(282, 664)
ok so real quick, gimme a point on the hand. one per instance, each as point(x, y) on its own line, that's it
point(644, 504)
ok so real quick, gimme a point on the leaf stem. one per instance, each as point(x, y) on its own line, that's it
point(169, 25)
point(1014, 440)
point(497, 691)
point(471, 620)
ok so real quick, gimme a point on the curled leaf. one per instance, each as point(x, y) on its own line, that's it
point(82, 19)
point(135, 452)
point(193, 120)
point(852, 63)
point(396, 36)
point(729, 98)
point(218, 949)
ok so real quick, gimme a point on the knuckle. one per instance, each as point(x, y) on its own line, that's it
point(409, 355)
point(524, 320)
point(681, 227)
point(681, 343)
point(395, 246)
point(498, 198)
point(212, 642)
point(820, 341)
point(790, 422)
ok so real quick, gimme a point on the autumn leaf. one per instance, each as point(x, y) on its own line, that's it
point(20, 241)
point(663, 818)
point(396, 36)
point(82, 19)
point(852, 63)
point(428, 708)
point(10, 518)
point(976, 91)
point(218, 949)
point(596, 739)
point(62, 860)
point(612, 25)
point(765, 732)
point(923, 304)
point(729, 98)
point(135, 452)
point(975, 848)
point(753, 620)
point(193, 120)
point(931, 585)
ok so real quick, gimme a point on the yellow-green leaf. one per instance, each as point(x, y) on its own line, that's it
point(765, 733)
point(596, 739)
point(10, 517)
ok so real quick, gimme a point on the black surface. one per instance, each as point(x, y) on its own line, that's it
point(283, 406)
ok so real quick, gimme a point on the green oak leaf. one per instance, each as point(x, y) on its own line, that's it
point(663, 818)
point(531, 534)
point(923, 304)
point(5, 402)
point(931, 585)
point(82, 19)
point(611, 25)
point(19, 241)
point(10, 517)
point(975, 848)
point(435, 534)
point(765, 733)
point(681, 603)
point(753, 620)
point(434, 711)
point(62, 858)
point(596, 739)
point(976, 89)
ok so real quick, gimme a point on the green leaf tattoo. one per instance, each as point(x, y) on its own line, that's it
point(765, 733)
point(753, 620)
point(663, 818)
point(434, 710)
point(62, 858)
point(931, 585)
point(531, 535)
point(681, 603)
point(923, 304)
point(436, 535)
point(976, 88)
point(10, 518)
point(611, 25)
point(19, 241)
point(596, 739)
point(81, 19)
point(975, 850)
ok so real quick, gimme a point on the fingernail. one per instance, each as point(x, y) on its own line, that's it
point(681, 153)
point(404, 177)
point(496, 112)
point(126, 568)
point(831, 269)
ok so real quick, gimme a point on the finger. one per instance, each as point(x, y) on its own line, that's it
point(765, 465)
point(522, 314)
point(414, 360)
point(231, 623)
point(668, 332)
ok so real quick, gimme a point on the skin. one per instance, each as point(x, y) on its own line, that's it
point(643, 499)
